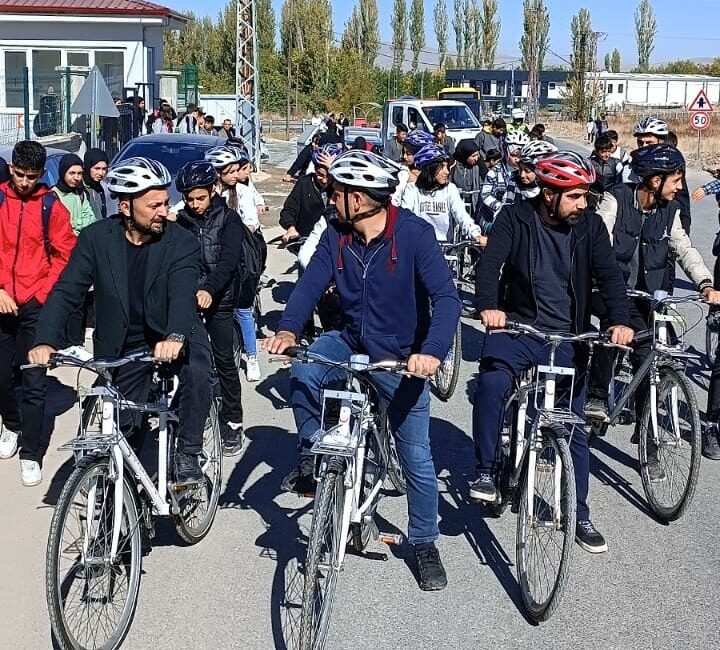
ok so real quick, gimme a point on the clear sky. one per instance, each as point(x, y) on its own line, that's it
point(686, 30)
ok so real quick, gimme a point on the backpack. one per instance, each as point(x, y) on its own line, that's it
point(47, 205)
point(254, 255)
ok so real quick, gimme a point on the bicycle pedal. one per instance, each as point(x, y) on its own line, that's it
point(390, 538)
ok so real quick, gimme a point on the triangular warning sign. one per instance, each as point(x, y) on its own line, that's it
point(94, 97)
point(701, 103)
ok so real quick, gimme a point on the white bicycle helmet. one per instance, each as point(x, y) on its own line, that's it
point(516, 139)
point(534, 150)
point(136, 175)
point(651, 125)
point(517, 114)
point(224, 155)
point(365, 170)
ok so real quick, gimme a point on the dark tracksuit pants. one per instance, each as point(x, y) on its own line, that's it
point(713, 402)
point(17, 334)
point(504, 358)
point(220, 326)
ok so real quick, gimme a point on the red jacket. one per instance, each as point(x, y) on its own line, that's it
point(25, 272)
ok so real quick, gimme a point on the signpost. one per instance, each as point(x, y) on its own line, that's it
point(700, 115)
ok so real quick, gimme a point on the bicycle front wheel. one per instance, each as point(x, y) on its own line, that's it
point(91, 596)
point(670, 463)
point(198, 504)
point(394, 468)
point(322, 563)
point(447, 374)
point(546, 533)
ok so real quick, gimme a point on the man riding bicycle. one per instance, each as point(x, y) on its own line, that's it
point(388, 271)
point(538, 269)
point(145, 274)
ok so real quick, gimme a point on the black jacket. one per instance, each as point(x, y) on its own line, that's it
point(304, 205)
point(302, 161)
point(505, 275)
point(99, 260)
point(220, 235)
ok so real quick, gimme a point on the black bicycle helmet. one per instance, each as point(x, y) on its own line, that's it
point(195, 174)
point(656, 160)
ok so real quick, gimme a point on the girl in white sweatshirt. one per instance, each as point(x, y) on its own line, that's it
point(436, 200)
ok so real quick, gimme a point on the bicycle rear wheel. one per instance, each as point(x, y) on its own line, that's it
point(676, 453)
point(374, 470)
point(91, 597)
point(322, 562)
point(198, 504)
point(447, 374)
point(394, 468)
point(544, 541)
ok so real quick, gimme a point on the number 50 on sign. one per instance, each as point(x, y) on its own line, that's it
point(699, 121)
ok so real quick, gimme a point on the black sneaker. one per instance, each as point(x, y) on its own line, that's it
point(233, 440)
point(710, 445)
point(589, 538)
point(483, 489)
point(302, 479)
point(656, 474)
point(187, 469)
point(431, 572)
point(635, 438)
point(596, 409)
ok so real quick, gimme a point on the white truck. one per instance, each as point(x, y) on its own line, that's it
point(424, 114)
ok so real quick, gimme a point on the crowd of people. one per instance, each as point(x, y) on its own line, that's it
point(549, 226)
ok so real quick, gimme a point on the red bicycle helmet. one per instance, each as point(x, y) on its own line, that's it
point(564, 170)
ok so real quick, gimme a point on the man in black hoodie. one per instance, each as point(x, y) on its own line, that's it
point(468, 172)
point(220, 233)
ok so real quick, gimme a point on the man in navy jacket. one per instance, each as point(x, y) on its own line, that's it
point(389, 272)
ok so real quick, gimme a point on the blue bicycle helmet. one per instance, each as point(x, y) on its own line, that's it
point(656, 160)
point(416, 140)
point(195, 174)
point(429, 154)
point(331, 149)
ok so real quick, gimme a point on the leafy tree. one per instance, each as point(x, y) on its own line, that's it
point(440, 24)
point(459, 27)
point(491, 32)
point(645, 31)
point(399, 24)
point(417, 31)
point(615, 61)
point(576, 96)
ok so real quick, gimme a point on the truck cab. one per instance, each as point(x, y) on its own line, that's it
point(423, 114)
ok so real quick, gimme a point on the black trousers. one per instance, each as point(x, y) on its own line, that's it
point(219, 326)
point(82, 317)
point(193, 396)
point(17, 334)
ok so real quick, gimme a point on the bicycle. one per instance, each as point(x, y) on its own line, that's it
point(669, 434)
point(354, 453)
point(712, 334)
point(105, 512)
point(535, 474)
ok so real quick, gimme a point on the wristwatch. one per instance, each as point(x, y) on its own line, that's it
point(175, 337)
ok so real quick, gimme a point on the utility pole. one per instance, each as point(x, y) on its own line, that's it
point(247, 84)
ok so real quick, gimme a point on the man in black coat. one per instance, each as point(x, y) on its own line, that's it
point(145, 274)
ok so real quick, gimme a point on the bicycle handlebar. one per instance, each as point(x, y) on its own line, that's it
point(666, 300)
point(97, 365)
point(592, 338)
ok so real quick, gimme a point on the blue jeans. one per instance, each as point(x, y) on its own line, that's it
point(246, 320)
point(407, 401)
point(504, 358)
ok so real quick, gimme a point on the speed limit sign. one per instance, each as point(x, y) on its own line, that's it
point(699, 120)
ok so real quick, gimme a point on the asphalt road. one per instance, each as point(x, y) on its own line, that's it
point(656, 588)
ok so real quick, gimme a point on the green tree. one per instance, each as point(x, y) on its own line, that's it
point(440, 24)
point(615, 61)
point(490, 24)
point(265, 22)
point(399, 24)
point(536, 30)
point(459, 27)
point(370, 30)
point(576, 96)
point(645, 31)
point(417, 31)
point(608, 63)
point(469, 43)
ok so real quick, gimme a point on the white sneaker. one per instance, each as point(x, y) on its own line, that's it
point(252, 369)
point(8, 443)
point(77, 352)
point(30, 473)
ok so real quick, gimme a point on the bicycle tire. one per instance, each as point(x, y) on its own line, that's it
point(90, 422)
point(448, 373)
point(394, 467)
point(712, 337)
point(323, 544)
point(541, 606)
point(691, 436)
point(190, 527)
point(93, 471)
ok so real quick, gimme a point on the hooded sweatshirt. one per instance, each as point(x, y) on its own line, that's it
point(97, 192)
point(468, 178)
point(75, 199)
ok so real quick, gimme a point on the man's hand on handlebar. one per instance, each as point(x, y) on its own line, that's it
point(167, 350)
point(481, 240)
point(41, 354)
point(423, 364)
point(280, 342)
point(493, 318)
point(204, 299)
point(621, 335)
point(711, 295)
point(290, 234)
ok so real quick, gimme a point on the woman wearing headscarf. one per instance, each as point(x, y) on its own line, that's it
point(71, 191)
point(94, 172)
point(468, 173)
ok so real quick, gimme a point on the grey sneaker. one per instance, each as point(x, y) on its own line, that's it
point(483, 489)
point(656, 474)
point(589, 538)
point(710, 445)
point(596, 409)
